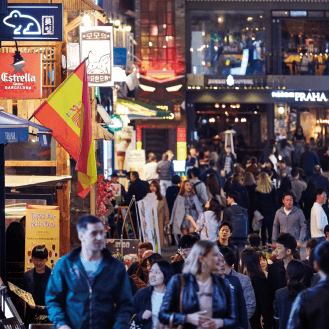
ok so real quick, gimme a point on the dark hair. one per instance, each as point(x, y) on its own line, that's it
point(317, 169)
point(175, 179)
point(288, 241)
point(253, 160)
point(187, 241)
point(319, 191)
point(294, 172)
point(295, 274)
point(226, 224)
point(312, 243)
point(233, 195)
point(213, 185)
point(147, 245)
point(236, 178)
point(285, 184)
point(211, 163)
point(157, 193)
point(321, 256)
point(283, 143)
point(254, 240)
point(40, 252)
point(165, 156)
point(214, 206)
point(114, 175)
point(85, 220)
point(251, 263)
point(195, 171)
point(228, 255)
point(282, 161)
point(166, 268)
point(311, 261)
point(288, 193)
point(135, 174)
point(153, 258)
point(326, 229)
point(311, 186)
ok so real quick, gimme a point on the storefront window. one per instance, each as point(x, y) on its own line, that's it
point(305, 46)
point(227, 42)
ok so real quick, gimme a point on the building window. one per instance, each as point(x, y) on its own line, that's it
point(305, 46)
point(157, 35)
point(227, 42)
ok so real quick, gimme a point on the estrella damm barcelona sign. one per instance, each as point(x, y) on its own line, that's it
point(32, 22)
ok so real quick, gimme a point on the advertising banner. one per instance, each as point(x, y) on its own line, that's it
point(136, 161)
point(122, 145)
point(96, 43)
point(42, 228)
point(129, 249)
point(20, 80)
point(30, 21)
point(148, 215)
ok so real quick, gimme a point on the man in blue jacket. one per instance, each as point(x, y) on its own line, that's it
point(88, 287)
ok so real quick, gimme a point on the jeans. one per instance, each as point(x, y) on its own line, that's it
point(269, 226)
point(164, 184)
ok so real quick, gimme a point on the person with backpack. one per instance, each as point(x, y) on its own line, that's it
point(199, 187)
point(238, 218)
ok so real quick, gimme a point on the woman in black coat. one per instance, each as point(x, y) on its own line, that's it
point(250, 184)
point(236, 186)
point(265, 203)
point(147, 301)
point(250, 266)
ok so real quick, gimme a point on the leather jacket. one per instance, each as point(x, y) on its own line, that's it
point(222, 301)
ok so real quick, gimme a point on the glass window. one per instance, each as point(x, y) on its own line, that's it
point(305, 46)
point(228, 42)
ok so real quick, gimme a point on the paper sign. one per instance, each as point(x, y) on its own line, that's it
point(26, 296)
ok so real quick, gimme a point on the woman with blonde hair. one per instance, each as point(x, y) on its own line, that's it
point(198, 298)
point(162, 210)
point(266, 204)
point(186, 203)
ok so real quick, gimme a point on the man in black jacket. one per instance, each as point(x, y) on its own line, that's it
point(139, 188)
point(286, 245)
point(225, 163)
point(238, 218)
point(310, 309)
point(319, 180)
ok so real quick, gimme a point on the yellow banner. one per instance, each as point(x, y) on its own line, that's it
point(42, 228)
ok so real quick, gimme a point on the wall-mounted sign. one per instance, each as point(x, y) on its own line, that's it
point(28, 21)
point(300, 96)
point(97, 46)
point(228, 81)
point(21, 80)
point(3, 7)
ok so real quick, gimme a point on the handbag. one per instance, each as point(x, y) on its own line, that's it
point(171, 326)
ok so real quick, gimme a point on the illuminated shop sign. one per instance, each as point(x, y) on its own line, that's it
point(229, 80)
point(299, 96)
point(32, 22)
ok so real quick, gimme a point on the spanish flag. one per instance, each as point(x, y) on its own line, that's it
point(67, 113)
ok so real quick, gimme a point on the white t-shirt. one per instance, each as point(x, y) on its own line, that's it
point(91, 267)
point(318, 221)
point(156, 301)
point(287, 211)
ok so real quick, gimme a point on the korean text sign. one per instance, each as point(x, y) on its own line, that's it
point(42, 228)
point(27, 22)
point(97, 47)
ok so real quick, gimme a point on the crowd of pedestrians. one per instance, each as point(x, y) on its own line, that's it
point(238, 230)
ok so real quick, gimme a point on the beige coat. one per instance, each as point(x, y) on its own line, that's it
point(163, 217)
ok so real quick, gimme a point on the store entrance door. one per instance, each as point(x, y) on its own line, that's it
point(156, 141)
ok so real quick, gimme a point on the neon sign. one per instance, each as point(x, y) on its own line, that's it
point(301, 96)
point(32, 22)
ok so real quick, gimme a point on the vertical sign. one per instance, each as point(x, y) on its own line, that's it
point(73, 55)
point(181, 144)
point(42, 228)
point(97, 46)
point(22, 80)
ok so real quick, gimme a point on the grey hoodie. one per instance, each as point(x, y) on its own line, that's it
point(294, 223)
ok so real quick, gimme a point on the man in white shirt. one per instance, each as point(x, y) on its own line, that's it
point(318, 217)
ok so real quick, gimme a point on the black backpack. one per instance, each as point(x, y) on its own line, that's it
point(239, 222)
point(195, 190)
